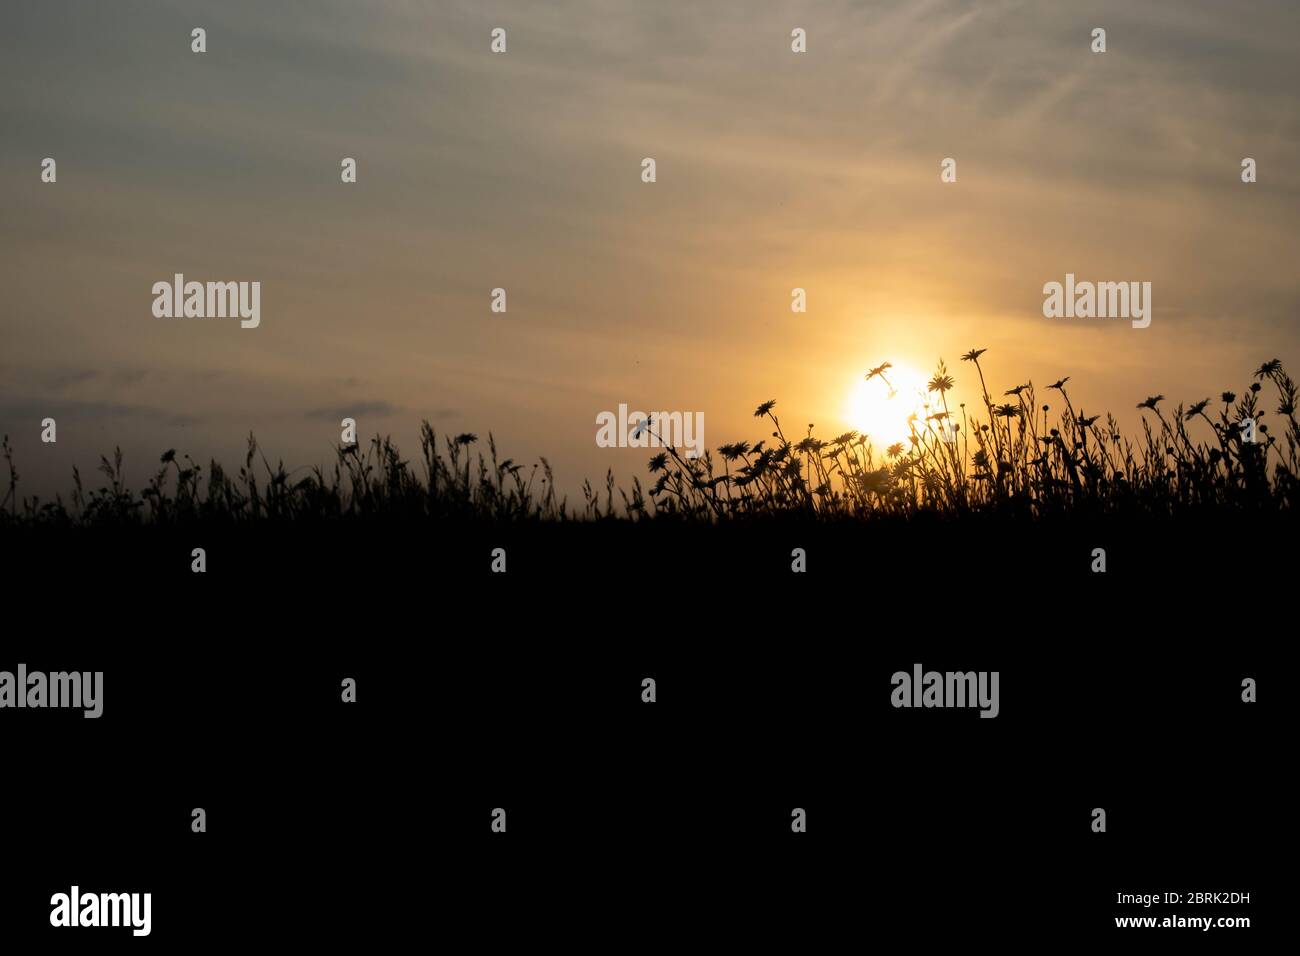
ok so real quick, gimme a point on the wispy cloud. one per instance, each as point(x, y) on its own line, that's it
point(775, 171)
point(371, 409)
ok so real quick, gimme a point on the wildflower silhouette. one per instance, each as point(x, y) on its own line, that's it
point(879, 370)
point(1011, 456)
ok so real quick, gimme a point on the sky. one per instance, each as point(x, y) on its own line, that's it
point(775, 170)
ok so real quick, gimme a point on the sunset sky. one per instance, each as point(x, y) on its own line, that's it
point(522, 170)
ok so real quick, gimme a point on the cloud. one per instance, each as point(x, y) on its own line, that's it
point(134, 376)
point(59, 379)
point(373, 408)
point(776, 170)
point(27, 412)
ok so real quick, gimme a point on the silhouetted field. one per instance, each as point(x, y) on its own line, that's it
point(1024, 485)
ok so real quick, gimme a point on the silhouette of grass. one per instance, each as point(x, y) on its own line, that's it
point(1011, 460)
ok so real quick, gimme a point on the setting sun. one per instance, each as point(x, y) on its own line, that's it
point(879, 407)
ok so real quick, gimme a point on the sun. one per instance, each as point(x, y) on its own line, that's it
point(880, 408)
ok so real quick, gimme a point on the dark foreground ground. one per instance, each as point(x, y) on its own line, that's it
point(369, 823)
